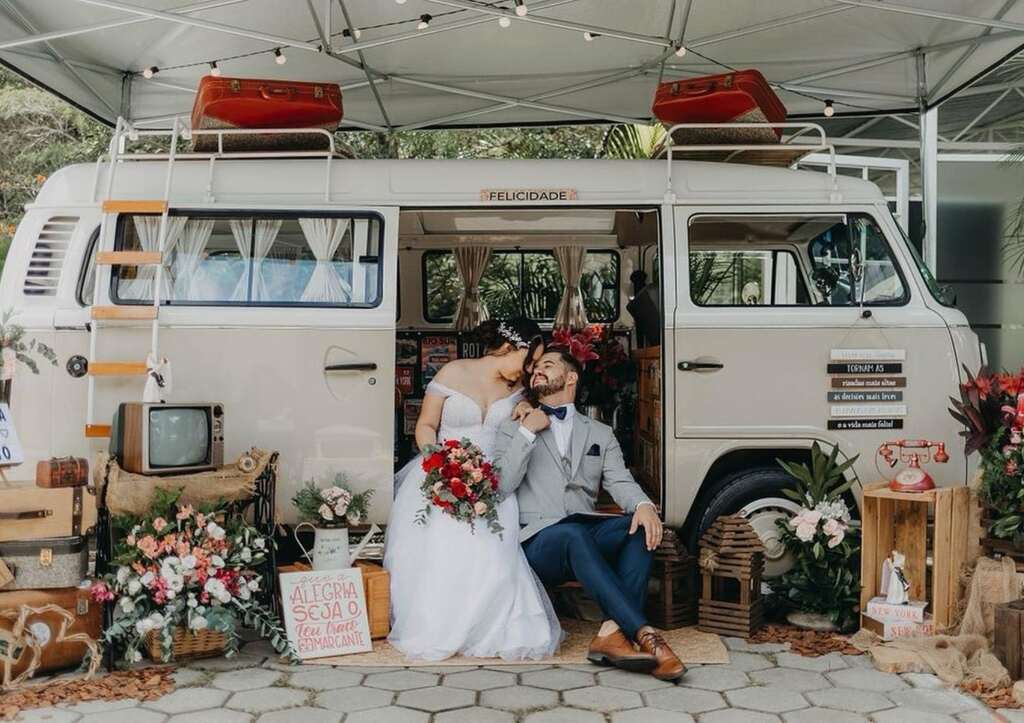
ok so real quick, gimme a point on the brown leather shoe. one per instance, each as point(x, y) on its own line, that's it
point(615, 649)
point(669, 667)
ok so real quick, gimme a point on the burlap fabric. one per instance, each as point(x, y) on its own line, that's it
point(132, 494)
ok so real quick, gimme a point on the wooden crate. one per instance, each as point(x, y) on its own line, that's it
point(377, 584)
point(1009, 637)
point(899, 521)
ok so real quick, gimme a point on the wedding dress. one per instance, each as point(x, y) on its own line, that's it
point(457, 590)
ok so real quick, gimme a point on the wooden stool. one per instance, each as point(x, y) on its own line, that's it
point(731, 565)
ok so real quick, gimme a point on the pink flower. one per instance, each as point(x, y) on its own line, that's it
point(148, 546)
point(159, 524)
point(184, 513)
point(480, 508)
point(833, 527)
point(806, 532)
point(130, 540)
point(100, 592)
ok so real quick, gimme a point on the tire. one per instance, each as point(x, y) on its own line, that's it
point(756, 494)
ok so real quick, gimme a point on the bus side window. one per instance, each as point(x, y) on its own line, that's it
point(86, 288)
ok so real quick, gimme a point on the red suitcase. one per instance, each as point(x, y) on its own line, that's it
point(250, 103)
point(740, 97)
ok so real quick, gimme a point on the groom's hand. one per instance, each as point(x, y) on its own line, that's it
point(646, 516)
point(521, 410)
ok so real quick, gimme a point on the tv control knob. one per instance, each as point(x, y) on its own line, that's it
point(78, 366)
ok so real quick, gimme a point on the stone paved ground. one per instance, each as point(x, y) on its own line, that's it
point(762, 683)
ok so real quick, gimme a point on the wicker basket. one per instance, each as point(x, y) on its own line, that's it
point(188, 644)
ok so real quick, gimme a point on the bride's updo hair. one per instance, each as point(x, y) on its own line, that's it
point(519, 333)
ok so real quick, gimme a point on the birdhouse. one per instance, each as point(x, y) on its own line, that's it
point(731, 564)
point(672, 602)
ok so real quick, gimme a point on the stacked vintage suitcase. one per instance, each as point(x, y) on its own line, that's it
point(44, 549)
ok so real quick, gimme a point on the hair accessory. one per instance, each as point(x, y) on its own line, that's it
point(511, 337)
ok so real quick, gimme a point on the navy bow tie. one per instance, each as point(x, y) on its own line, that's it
point(554, 411)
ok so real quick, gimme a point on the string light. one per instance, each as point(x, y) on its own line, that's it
point(680, 51)
point(279, 57)
point(504, 21)
point(521, 8)
point(829, 110)
point(424, 22)
point(353, 33)
point(588, 36)
point(214, 69)
point(400, 2)
point(150, 71)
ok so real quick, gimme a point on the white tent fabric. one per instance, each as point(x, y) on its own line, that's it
point(466, 69)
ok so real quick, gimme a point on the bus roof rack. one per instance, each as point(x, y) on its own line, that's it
point(785, 154)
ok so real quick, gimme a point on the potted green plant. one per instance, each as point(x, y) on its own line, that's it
point(329, 511)
point(13, 349)
point(823, 587)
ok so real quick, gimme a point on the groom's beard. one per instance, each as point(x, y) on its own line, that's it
point(547, 387)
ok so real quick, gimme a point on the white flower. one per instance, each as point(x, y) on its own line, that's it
point(246, 554)
point(216, 561)
point(254, 584)
point(805, 532)
point(157, 619)
point(127, 605)
point(217, 590)
point(834, 510)
point(134, 586)
point(340, 508)
point(188, 562)
point(326, 512)
point(123, 573)
point(192, 602)
point(198, 622)
point(148, 579)
point(136, 656)
point(243, 592)
point(214, 530)
point(259, 543)
point(353, 518)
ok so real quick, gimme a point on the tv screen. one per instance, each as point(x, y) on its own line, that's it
point(178, 437)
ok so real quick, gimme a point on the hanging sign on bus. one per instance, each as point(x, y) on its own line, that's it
point(497, 195)
point(10, 448)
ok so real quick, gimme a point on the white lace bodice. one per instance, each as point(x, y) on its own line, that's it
point(461, 416)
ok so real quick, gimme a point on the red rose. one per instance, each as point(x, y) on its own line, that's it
point(494, 483)
point(451, 443)
point(458, 488)
point(452, 469)
point(486, 468)
point(434, 461)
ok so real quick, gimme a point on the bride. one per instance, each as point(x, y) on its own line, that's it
point(457, 590)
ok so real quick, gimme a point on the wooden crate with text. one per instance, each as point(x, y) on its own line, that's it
point(900, 521)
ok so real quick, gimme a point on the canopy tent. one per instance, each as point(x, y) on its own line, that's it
point(406, 64)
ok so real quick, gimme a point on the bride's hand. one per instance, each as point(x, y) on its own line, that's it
point(521, 410)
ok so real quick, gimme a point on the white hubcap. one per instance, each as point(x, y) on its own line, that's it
point(762, 515)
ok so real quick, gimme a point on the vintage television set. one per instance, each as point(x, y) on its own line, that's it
point(168, 438)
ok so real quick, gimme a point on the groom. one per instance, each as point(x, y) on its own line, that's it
point(556, 460)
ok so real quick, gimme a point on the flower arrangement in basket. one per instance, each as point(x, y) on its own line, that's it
point(184, 580)
point(825, 579)
point(607, 368)
point(462, 483)
point(332, 506)
point(991, 408)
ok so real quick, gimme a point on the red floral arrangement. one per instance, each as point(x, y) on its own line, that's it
point(462, 483)
point(607, 369)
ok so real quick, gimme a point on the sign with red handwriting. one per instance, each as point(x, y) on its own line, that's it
point(325, 612)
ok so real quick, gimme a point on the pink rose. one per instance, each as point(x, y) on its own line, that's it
point(833, 527)
point(836, 538)
point(805, 532)
point(480, 508)
point(159, 524)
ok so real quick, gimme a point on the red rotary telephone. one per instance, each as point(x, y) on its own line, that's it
point(913, 478)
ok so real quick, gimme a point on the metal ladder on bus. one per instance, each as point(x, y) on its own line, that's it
point(102, 315)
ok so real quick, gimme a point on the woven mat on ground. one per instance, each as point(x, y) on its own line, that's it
point(690, 644)
point(132, 494)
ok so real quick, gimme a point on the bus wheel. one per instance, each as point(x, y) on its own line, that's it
point(756, 495)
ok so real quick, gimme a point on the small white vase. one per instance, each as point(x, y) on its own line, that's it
point(330, 547)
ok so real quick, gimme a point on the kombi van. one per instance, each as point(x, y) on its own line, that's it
point(777, 308)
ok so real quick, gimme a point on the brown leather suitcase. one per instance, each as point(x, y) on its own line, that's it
point(28, 512)
point(84, 616)
point(62, 472)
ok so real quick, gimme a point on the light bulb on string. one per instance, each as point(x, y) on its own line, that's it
point(215, 69)
point(588, 36)
point(680, 51)
point(150, 71)
point(521, 8)
point(279, 57)
point(400, 2)
point(829, 109)
point(355, 33)
point(504, 21)
point(424, 22)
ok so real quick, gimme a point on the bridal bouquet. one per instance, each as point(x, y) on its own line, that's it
point(461, 482)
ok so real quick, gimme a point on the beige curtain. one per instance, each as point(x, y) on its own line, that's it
point(471, 262)
point(571, 312)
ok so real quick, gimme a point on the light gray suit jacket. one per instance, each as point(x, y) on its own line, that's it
point(547, 491)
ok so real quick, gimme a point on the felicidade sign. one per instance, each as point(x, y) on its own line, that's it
point(325, 612)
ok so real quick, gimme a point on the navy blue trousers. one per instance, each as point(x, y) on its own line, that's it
point(612, 566)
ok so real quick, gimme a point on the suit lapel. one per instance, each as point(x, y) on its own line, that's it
point(548, 438)
point(578, 441)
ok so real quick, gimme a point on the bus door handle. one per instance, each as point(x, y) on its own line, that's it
point(352, 367)
point(700, 366)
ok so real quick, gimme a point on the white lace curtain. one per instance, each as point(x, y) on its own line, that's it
point(572, 314)
point(266, 233)
point(191, 245)
point(471, 262)
point(147, 229)
point(324, 236)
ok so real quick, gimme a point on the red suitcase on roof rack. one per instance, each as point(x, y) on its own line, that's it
point(253, 103)
point(740, 97)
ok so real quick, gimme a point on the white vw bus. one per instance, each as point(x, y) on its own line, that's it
point(311, 298)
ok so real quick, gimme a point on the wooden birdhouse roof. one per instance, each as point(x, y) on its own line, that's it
point(732, 535)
